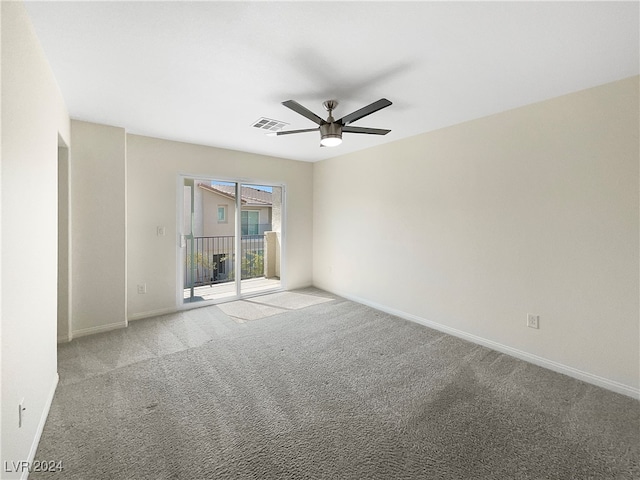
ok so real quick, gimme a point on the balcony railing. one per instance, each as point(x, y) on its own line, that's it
point(211, 260)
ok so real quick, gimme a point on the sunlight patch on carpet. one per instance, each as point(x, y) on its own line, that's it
point(267, 305)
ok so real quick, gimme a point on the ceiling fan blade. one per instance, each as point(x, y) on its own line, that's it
point(305, 112)
point(370, 131)
point(364, 111)
point(289, 132)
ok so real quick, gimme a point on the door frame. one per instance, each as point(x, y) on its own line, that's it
point(180, 218)
point(64, 310)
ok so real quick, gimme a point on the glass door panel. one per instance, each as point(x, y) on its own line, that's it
point(209, 240)
point(261, 236)
point(216, 225)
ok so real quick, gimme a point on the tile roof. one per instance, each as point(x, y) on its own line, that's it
point(248, 195)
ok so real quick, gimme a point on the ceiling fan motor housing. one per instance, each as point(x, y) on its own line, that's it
point(330, 130)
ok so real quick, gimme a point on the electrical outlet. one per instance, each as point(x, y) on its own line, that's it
point(533, 321)
point(142, 288)
point(21, 410)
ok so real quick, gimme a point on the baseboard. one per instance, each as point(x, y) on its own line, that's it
point(152, 313)
point(63, 339)
point(99, 329)
point(522, 355)
point(40, 429)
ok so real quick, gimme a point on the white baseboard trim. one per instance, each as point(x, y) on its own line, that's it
point(152, 313)
point(98, 329)
point(40, 429)
point(63, 339)
point(522, 355)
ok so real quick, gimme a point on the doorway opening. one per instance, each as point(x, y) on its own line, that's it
point(231, 240)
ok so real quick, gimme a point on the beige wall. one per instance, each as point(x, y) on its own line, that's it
point(98, 228)
point(533, 210)
point(33, 116)
point(153, 259)
point(210, 203)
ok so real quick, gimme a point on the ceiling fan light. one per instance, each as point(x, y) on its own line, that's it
point(330, 134)
point(331, 140)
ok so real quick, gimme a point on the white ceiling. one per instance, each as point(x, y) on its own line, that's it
point(203, 72)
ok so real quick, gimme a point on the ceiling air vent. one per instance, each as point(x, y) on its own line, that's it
point(269, 124)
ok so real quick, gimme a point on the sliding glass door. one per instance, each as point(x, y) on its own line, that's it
point(231, 239)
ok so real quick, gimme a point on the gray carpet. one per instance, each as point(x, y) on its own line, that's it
point(324, 388)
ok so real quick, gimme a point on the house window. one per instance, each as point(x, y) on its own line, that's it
point(249, 222)
point(222, 214)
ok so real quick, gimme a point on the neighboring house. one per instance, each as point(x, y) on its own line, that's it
point(218, 203)
point(213, 229)
point(214, 210)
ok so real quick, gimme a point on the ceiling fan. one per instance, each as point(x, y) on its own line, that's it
point(331, 130)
